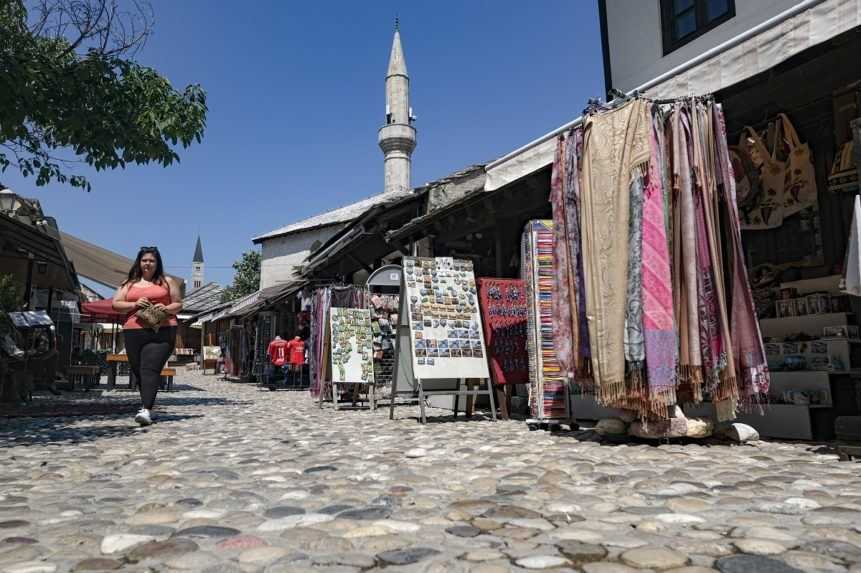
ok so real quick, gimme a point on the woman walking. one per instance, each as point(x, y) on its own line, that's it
point(152, 301)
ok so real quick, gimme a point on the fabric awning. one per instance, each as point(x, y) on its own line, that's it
point(101, 311)
point(99, 264)
point(725, 65)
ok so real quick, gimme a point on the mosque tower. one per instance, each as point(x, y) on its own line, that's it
point(397, 137)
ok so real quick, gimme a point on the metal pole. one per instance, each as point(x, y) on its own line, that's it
point(29, 285)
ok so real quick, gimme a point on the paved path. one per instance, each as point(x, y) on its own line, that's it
point(234, 478)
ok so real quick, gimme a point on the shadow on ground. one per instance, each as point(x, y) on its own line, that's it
point(59, 430)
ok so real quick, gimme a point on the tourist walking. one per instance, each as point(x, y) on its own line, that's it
point(152, 301)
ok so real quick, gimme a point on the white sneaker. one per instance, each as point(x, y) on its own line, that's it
point(143, 418)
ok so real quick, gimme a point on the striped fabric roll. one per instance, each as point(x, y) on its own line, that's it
point(547, 382)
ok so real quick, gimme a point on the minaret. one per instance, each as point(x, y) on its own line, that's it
point(197, 266)
point(398, 137)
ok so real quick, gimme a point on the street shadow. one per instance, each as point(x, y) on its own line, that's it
point(166, 399)
point(44, 431)
point(186, 388)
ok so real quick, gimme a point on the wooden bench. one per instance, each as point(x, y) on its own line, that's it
point(167, 375)
point(85, 375)
point(113, 359)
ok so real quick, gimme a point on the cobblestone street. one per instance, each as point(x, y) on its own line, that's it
point(236, 478)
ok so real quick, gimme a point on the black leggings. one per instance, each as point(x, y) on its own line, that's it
point(148, 352)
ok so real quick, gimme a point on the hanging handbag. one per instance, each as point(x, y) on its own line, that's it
point(800, 179)
point(768, 210)
point(151, 317)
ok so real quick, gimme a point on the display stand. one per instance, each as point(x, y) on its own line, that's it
point(550, 400)
point(348, 346)
point(383, 301)
point(446, 375)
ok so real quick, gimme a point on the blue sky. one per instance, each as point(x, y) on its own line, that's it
point(296, 96)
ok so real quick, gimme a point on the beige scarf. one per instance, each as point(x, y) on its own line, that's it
point(615, 144)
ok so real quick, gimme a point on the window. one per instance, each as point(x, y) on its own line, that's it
point(685, 20)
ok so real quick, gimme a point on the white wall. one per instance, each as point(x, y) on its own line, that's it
point(281, 255)
point(636, 44)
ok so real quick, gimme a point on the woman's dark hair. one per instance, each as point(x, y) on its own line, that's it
point(135, 273)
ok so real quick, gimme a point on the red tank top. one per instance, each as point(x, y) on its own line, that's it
point(155, 294)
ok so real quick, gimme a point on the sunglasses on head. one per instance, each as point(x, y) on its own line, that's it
point(149, 249)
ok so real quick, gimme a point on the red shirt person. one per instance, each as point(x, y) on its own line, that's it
point(277, 351)
point(296, 349)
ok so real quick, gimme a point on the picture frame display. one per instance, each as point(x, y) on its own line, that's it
point(351, 345)
point(446, 334)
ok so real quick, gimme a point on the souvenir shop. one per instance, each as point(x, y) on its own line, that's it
point(796, 164)
point(727, 219)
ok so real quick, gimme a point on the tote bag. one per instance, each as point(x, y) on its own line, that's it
point(800, 179)
point(766, 211)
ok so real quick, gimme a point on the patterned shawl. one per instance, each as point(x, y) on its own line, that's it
point(615, 144)
point(563, 317)
point(582, 352)
point(660, 334)
point(751, 367)
point(685, 256)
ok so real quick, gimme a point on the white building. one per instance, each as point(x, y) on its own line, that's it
point(284, 250)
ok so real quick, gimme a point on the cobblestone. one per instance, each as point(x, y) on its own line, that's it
point(235, 478)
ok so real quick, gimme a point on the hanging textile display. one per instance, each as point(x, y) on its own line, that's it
point(322, 301)
point(615, 150)
point(571, 335)
point(645, 212)
point(548, 391)
point(504, 317)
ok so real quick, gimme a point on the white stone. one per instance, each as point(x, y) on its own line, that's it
point(399, 526)
point(294, 521)
point(660, 429)
point(203, 514)
point(606, 567)
point(298, 494)
point(122, 541)
point(564, 508)
point(30, 567)
point(759, 546)
point(262, 555)
point(802, 503)
point(769, 533)
point(582, 535)
point(654, 558)
point(542, 562)
point(483, 555)
point(740, 433)
point(679, 518)
point(541, 524)
point(367, 531)
point(699, 428)
point(611, 427)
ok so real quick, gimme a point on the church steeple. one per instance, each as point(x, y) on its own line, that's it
point(197, 266)
point(398, 137)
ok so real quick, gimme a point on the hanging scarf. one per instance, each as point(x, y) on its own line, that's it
point(615, 143)
point(685, 255)
point(751, 367)
point(661, 342)
point(582, 353)
point(564, 330)
point(723, 385)
point(635, 349)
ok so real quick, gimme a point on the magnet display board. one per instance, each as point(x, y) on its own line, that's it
point(445, 331)
point(351, 349)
